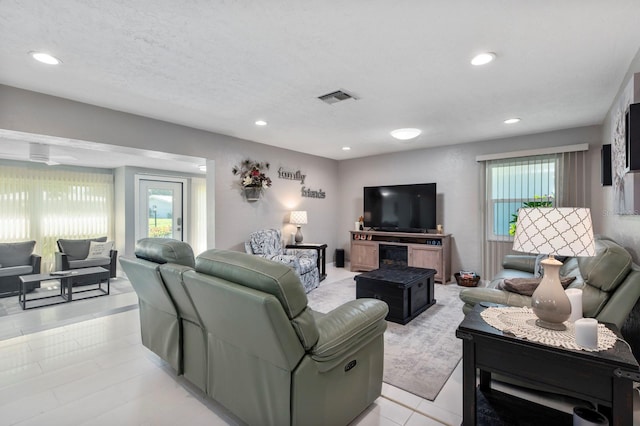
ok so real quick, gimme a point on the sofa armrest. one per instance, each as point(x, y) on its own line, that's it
point(62, 262)
point(473, 296)
point(520, 262)
point(349, 326)
point(622, 301)
point(287, 259)
point(303, 253)
point(36, 261)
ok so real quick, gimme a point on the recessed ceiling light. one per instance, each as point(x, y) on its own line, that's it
point(405, 134)
point(483, 58)
point(511, 120)
point(45, 58)
point(261, 123)
point(346, 148)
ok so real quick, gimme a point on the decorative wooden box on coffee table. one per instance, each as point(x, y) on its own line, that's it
point(408, 291)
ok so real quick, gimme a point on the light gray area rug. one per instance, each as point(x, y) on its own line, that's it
point(420, 356)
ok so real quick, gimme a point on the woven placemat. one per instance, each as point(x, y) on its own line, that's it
point(521, 323)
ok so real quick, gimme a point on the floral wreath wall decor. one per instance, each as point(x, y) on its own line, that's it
point(253, 179)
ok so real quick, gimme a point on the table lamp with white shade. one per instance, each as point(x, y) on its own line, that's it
point(556, 231)
point(298, 218)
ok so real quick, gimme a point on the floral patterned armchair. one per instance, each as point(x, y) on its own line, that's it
point(267, 243)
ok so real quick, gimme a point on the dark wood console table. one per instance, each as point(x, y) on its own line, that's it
point(604, 377)
point(322, 254)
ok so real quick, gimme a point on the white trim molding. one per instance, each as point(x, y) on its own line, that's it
point(531, 152)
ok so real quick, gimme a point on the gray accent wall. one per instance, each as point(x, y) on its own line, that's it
point(453, 168)
point(457, 174)
point(235, 218)
point(625, 229)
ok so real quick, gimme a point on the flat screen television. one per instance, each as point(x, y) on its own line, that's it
point(400, 208)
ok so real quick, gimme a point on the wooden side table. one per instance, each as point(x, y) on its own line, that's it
point(322, 254)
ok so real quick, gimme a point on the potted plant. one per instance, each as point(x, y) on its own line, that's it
point(253, 179)
point(538, 201)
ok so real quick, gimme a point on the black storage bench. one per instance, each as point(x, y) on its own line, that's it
point(408, 291)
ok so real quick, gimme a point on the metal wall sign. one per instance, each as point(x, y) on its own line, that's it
point(311, 193)
point(297, 175)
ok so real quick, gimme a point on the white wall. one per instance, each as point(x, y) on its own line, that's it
point(456, 174)
point(32, 112)
point(625, 229)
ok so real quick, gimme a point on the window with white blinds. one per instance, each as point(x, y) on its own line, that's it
point(545, 180)
point(515, 183)
point(47, 204)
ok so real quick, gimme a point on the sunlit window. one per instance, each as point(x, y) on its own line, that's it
point(516, 183)
point(47, 204)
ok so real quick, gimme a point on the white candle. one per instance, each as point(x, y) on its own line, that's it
point(575, 297)
point(587, 332)
point(356, 226)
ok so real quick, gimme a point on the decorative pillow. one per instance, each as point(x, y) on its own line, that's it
point(527, 286)
point(99, 250)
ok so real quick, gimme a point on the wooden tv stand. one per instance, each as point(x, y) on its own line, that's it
point(431, 251)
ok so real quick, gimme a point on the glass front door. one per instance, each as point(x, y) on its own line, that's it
point(161, 209)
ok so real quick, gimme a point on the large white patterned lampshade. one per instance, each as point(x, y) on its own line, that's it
point(562, 231)
point(298, 217)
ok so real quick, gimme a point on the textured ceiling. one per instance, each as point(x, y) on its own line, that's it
point(221, 65)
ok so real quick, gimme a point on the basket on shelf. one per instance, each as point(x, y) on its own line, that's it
point(467, 281)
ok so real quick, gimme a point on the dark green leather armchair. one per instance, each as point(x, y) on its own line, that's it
point(271, 359)
point(73, 254)
point(17, 259)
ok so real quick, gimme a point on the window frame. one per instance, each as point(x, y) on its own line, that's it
point(491, 202)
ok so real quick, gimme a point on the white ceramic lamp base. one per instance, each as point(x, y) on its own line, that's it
point(549, 302)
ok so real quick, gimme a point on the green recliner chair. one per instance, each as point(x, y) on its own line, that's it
point(271, 359)
point(610, 282)
point(170, 326)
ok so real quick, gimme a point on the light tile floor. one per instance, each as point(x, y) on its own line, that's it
point(83, 363)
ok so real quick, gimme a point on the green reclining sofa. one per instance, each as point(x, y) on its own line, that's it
point(238, 326)
point(610, 282)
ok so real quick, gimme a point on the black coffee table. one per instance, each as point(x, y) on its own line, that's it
point(604, 377)
point(67, 291)
point(407, 290)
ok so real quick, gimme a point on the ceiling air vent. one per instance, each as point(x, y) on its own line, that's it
point(337, 96)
